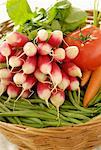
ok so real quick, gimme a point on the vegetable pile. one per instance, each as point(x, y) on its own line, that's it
point(41, 67)
point(38, 63)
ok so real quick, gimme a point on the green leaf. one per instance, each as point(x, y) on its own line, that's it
point(75, 15)
point(50, 15)
point(55, 25)
point(72, 26)
point(63, 4)
point(19, 11)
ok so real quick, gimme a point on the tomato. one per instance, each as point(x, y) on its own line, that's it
point(88, 40)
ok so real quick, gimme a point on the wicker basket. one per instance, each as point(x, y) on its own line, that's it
point(78, 137)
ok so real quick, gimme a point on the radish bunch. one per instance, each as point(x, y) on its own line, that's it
point(44, 63)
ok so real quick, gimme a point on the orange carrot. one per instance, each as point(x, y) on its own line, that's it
point(93, 86)
point(85, 77)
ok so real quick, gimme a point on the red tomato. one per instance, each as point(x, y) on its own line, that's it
point(89, 57)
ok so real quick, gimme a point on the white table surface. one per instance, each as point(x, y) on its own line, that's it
point(84, 4)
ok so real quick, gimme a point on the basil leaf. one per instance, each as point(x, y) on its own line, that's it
point(19, 11)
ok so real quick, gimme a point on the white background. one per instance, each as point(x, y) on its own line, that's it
point(84, 4)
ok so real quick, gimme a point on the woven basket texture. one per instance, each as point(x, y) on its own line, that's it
point(78, 137)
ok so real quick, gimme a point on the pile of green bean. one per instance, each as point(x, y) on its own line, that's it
point(34, 112)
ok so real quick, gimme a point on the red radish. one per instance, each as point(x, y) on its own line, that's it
point(14, 61)
point(42, 35)
point(26, 94)
point(71, 69)
point(57, 99)
point(72, 52)
point(56, 38)
point(5, 81)
point(5, 50)
point(12, 91)
point(2, 88)
point(5, 73)
point(30, 49)
point(59, 54)
point(45, 64)
point(2, 58)
point(65, 82)
point(44, 48)
point(56, 75)
point(30, 65)
point(19, 78)
point(43, 91)
point(27, 85)
point(41, 77)
point(16, 39)
point(74, 84)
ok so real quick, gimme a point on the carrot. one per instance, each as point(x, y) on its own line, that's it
point(93, 86)
point(85, 77)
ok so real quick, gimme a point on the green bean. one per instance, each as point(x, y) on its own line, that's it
point(30, 121)
point(2, 109)
point(68, 107)
point(75, 96)
point(2, 119)
point(37, 120)
point(35, 114)
point(75, 115)
point(81, 112)
point(78, 106)
point(6, 109)
point(56, 123)
point(98, 104)
point(70, 119)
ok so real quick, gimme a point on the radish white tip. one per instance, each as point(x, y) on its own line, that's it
point(72, 52)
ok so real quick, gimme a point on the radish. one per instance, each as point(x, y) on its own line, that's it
point(30, 65)
point(65, 82)
point(19, 78)
point(56, 75)
point(2, 58)
point(71, 69)
point(27, 85)
point(45, 64)
point(57, 99)
point(29, 49)
point(26, 94)
point(12, 91)
point(72, 52)
point(41, 77)
point(14, 61)
point(44, 48)
point(5, 81)
point(2, 88)
point(5, 73)
point(5, 50)
point(74, 84)
point(16, 39)
point(42, 35)
point(56, 38)
point(43, 91)
point(59, 54)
